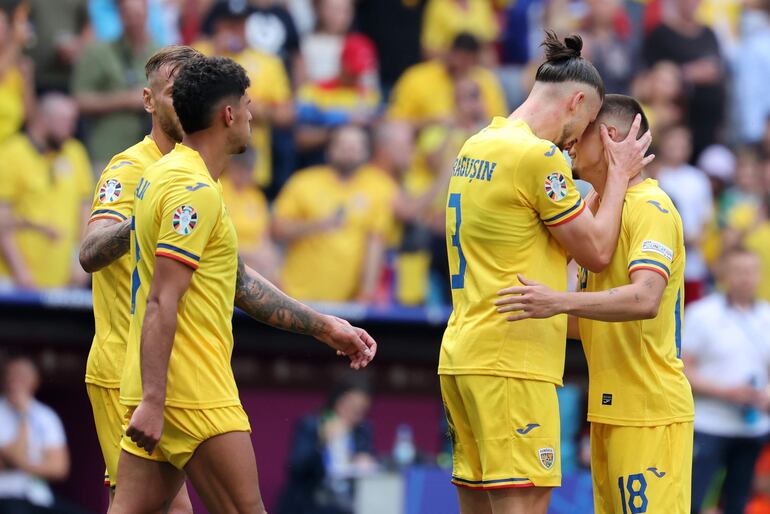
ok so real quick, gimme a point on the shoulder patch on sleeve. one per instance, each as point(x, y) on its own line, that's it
point(184, 219)
point(657, 247)
point(555, 186)
point(110, 190)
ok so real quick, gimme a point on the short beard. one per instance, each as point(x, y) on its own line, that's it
point(172, 130)
point(565, 131)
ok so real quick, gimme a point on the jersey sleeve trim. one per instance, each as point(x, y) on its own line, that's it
point(178, 254)
point(107, 214)
point(651, 265)
point(568, 215)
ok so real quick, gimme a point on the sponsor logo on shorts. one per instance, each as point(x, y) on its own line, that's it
point(659, 474)
point(547, 456)
point(606, 399)
point(526, 430)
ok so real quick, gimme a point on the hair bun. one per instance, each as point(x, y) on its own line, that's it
point(556, 51)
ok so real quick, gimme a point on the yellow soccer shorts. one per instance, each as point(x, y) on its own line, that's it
point(504, 431)
point(108, 418)
point(185, 429)
point(638, 470)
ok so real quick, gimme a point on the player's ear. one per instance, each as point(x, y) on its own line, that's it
point(614, 133)
point(577, 99)
point(147, 99)
point(229, 115)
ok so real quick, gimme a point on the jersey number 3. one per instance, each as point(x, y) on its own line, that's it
point(458, 280)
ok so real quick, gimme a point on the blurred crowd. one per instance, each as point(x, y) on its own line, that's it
point(359, 107)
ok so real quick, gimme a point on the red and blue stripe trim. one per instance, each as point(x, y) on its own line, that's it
point(500, 483)
point(568, 215)
point(178, 254)
point(651, 265)
point(101, 214)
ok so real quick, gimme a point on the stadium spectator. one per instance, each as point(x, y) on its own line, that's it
point(249, 211)
point(445, 19)
point(270, 91)
point(271, 29)
point(329, 449)
point(690, 190)
point(45, 195)
point(607, 46)
point(322, 48)
point(682, 39)
point(751, 65)
point(62, 31)
point(739, 204)
point(425, 92)
point(16, 95)
point(348, 98)
point(661, 92)
point(107, 84)
point(33, 446)
point(397, 49)
point(161, 21)
point(727, 357)
point(331, 223)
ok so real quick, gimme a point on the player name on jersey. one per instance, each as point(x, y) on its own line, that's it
point(471, 168)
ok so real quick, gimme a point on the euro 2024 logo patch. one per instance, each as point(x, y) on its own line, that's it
point(184, 220)
point(556, 186)
point(547, 456)
point(110, 191)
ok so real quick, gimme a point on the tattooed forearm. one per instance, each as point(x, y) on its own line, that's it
point(264, 302)
point(105, 245)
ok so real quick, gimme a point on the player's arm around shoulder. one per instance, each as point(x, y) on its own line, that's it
point(107, 235)
point(592, 238)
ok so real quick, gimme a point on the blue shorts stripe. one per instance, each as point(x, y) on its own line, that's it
point(488, 482)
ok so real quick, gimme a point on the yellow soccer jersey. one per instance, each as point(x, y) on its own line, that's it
point(114, 199)
point(635, 369)
point(507, 187)
point(179, 213)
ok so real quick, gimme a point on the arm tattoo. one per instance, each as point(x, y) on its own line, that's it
point(105, 246)
point(264, 302)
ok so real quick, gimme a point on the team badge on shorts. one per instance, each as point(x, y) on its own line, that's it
point(184, 220)
point(555, 186)
point(110, 191)
point(546, 457)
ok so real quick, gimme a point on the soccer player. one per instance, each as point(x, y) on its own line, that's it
point(185, 417)
point(513, 208)
point(639, 401)
point(104, 252)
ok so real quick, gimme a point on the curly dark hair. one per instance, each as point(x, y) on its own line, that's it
point(563, 63)
point(201, 85)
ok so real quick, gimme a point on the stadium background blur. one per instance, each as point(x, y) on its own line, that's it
point(352, 220)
